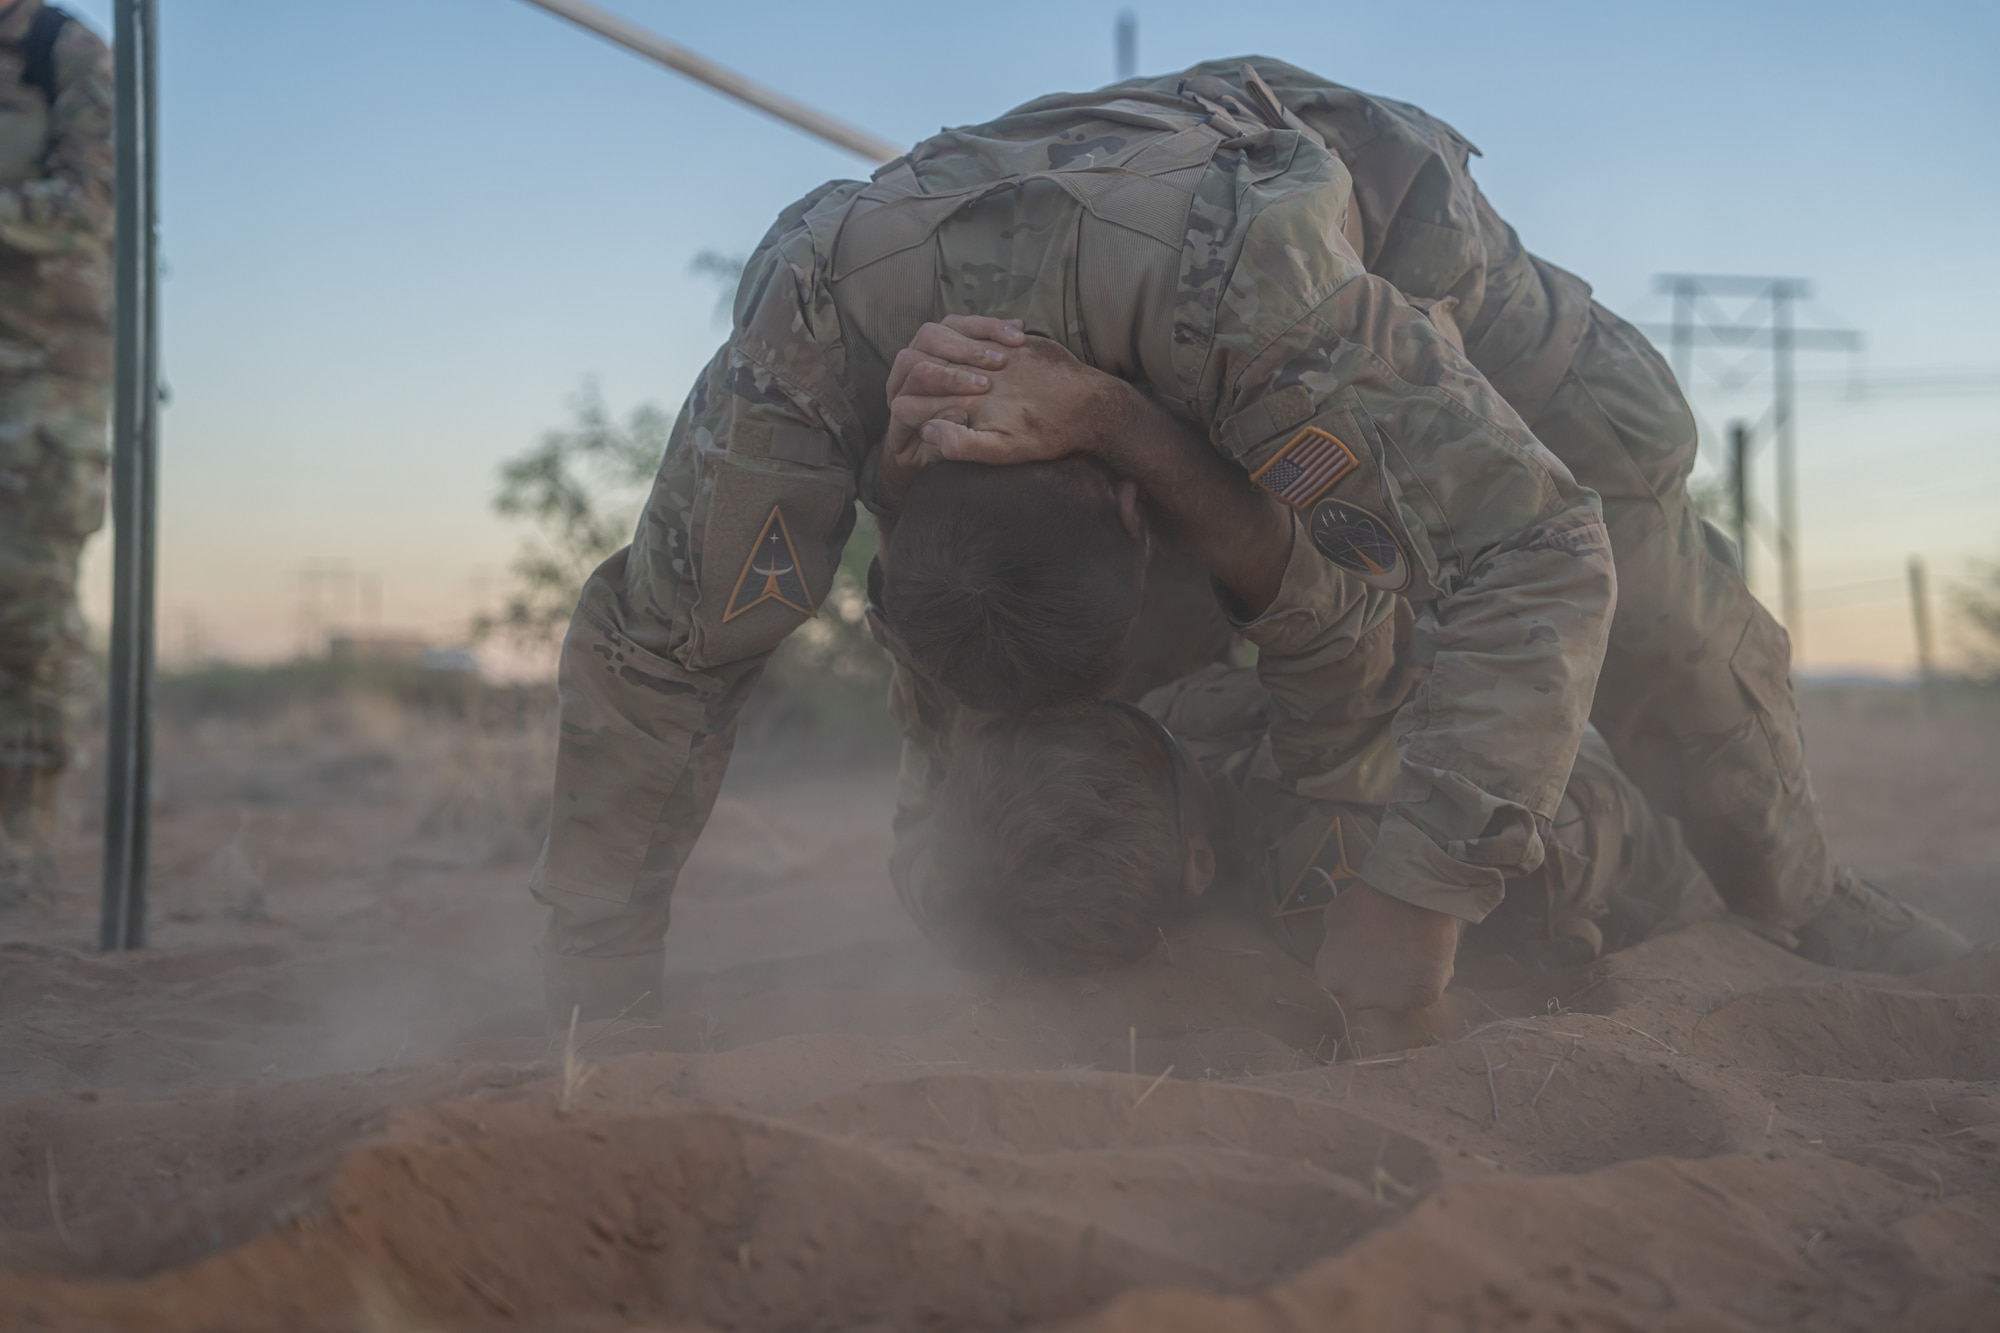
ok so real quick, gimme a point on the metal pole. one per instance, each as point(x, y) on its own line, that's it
point(127, 823)
point(1127, 42)
point(727, 82)
point(1782, 295)
point(1683, 336)
point(1920, 614)
point(149, 493)
point(1739, 492)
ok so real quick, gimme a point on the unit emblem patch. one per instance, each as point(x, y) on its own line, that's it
point(770, 573)
point(1326, 871)
point(1310, 462)
point(1360, 543)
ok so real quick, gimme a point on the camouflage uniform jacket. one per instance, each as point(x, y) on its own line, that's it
point(1181, 237)
point(55, 206)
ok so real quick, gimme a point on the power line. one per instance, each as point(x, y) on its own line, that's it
point(727, 82)
point(1929, 381)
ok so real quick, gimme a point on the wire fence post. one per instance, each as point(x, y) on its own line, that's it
point(134, 479)
point(1920, 618)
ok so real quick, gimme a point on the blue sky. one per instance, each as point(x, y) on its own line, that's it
point(401, 232)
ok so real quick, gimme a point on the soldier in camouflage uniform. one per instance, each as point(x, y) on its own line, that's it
point(55, 364)
point(1076, 839)
point(1614, 873)
point(1307, 278)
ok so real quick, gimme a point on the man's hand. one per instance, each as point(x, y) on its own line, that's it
point(1383, 953)
point(981, 391)
point(1046, 405)
point(944, 368)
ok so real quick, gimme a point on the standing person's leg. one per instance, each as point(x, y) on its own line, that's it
point(1696, 699)
point(52, 479)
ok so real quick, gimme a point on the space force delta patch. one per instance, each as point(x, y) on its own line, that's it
point(770, 573)
point(1361, 544)
point(1301, 472)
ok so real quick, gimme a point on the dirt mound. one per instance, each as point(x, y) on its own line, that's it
point(1731, 1244)
point(1845, 1031)
point(1565, 1169)
point(733, 1218)
point(343, 1112)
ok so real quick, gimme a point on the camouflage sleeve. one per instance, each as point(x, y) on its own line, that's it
point(1333, 656)
point(1412, 476)
point(68, 207)
point(736, 548)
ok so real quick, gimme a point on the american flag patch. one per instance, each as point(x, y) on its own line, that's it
point(1309, 463)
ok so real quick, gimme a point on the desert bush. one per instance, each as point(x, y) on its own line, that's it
point(1978, 605)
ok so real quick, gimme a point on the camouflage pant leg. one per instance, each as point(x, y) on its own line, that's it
point(1695, 699)
point(52, 495)
point(1617, 871)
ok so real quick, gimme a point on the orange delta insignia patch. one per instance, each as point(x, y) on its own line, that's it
point(1301, 472)
point(770, 573)
point(1325, 871)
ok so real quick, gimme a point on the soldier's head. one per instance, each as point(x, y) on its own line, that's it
point(1014, 587)
point(1066, 840)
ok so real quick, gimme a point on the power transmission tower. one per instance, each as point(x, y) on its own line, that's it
point(1768, 318)
point(135, 456)
point(1126, 42)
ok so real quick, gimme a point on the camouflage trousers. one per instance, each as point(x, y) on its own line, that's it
point(1616, 871)
point(1696, 699)
point(53, 465)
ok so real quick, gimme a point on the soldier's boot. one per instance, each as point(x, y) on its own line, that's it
point(1864, 929)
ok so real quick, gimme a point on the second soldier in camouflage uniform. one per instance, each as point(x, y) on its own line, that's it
point(55, 365)
point(1310, 277)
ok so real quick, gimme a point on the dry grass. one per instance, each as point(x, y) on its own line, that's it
point(576, 1071)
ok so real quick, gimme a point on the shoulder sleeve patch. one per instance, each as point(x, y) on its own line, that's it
point(1306, 468)
point(1323, 873)
point(1360, 543)
point(770, 572)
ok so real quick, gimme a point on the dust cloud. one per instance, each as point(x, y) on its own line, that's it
point(328, 1099)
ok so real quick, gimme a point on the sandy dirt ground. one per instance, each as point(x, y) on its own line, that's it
point(326, 1098)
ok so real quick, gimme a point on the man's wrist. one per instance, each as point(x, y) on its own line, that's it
point(1242, 533)
point(1128, 421)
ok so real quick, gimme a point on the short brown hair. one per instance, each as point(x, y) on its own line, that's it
point(1012, 587)
point(1058, 845)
